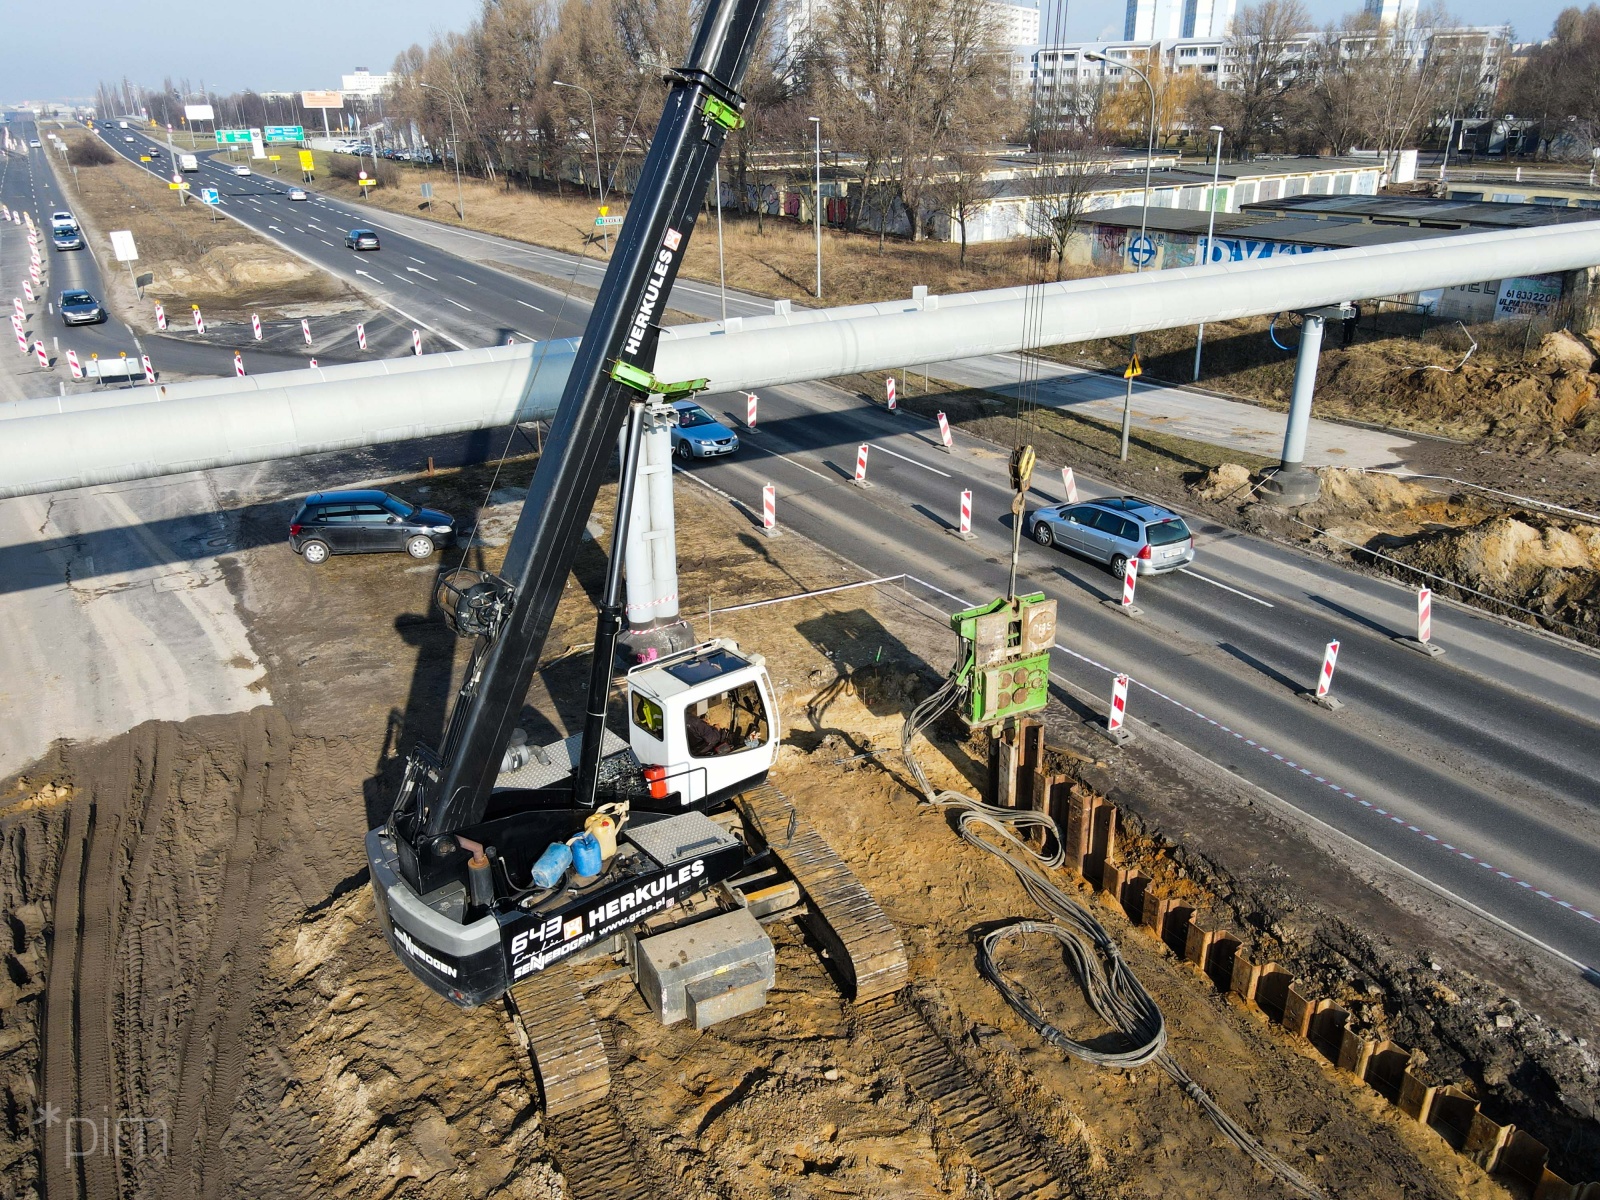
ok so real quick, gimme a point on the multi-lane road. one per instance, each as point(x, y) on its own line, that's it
point(1475, 770)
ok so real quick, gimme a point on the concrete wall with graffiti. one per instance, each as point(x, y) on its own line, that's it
point(1113, 247)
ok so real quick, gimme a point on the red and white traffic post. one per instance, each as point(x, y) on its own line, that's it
point(1330, 658)
point(22, 337)
point(416, 341)
point(39, 353)
point(255, 326)
point(149, 371)
point(1423, 642)
point(1069, 484)
point(361, 336)
point(27, 290)
point(944, 432)
point(1118, 712)
point(769, 510)
point(313, 364)
point(199, 321)
point(861, 467)
point(305, 330)
point(750, 410)
point(964, 529)
point(16, 307)
point(1130, 578)
point(238, 365)
point(161, 317)
point(888, 385)
point(73, 365)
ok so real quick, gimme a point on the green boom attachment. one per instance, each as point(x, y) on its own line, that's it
point(1005, 656)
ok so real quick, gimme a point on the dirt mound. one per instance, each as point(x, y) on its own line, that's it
point(235, 267)
point(1226, 481)
point(1368, 493)
point(1549, 566)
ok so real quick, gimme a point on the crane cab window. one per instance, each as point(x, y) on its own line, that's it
point(647, 715)
point(726, 723)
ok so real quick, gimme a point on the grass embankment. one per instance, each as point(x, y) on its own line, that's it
point(196, 256)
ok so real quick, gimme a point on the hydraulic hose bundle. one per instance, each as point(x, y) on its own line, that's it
point(1109, 984)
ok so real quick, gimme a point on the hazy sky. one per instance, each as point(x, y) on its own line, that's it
point(287, 45)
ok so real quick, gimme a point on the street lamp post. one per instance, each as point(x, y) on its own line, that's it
point(1144, 216)
point(449, 108)
point(594, 137)
point(1211, 227)
point(816, 204)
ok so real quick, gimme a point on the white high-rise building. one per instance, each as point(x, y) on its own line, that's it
point(1393, 12)
point(1164, 20)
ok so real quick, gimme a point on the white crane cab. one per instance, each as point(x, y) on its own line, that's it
point(703, 723)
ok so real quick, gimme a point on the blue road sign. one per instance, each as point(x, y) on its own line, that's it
point(1141, 249)
point(209, 195)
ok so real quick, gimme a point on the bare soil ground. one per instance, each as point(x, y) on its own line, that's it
point(196, 256)
point(193, 959)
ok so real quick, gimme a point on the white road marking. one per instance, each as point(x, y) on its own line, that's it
point(463, 278)
point(750, 437)
point(1226, 588)
point(418, 261)
point(535, 307)
point(424, 274)
point(458, 304)
point(912, 461)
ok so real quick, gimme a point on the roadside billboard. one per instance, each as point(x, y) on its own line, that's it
point(199, 112)
point(321, 100)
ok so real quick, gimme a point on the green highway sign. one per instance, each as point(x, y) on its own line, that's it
point(226, 137)
point(601, 221)
point(284, 133)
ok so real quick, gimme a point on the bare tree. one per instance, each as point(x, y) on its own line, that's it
point(1561, 83)
point(1058, 191)
point(963, 189)
point(1264, 54)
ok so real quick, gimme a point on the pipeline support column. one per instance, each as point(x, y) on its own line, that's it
point(1293, 483)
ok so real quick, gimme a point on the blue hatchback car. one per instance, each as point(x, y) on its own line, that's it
point(698, 434)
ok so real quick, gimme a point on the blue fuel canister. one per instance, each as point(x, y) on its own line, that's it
point(552, 865)
point(586, 855)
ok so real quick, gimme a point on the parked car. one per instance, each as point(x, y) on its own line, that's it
point(80, 308)
point(65, 237)
point(1115, 530)
point(298, 194)
point(241, 169)
point(697, 434)
point(366, 522)
point(361, 239)
point(62, 219)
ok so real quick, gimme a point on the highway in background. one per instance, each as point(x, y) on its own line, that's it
point(1475, 770)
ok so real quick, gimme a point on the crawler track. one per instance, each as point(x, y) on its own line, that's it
point(966, 1116)
point(863, 943)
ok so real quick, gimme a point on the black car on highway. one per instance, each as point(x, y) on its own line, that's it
point(361, 239)
point(367, 522)
point(80, 308)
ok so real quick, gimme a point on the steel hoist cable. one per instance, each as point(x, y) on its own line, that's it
point(1108, 982)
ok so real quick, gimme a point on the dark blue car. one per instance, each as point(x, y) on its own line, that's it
point(700, 435)
point(366, 522)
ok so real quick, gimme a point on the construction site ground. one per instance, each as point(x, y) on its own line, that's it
point(198, 1001)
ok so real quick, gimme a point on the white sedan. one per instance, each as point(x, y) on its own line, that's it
point(298, 194)
point(241, 169)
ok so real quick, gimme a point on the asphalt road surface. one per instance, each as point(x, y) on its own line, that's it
point(1475, 770)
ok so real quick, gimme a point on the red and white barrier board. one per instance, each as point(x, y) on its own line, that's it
point(769, 507)
point(305, 330)
point(238, 365)
point(161, 317)
point(416, 341)
point(1325, 680)
point(27, 289)
point(966, 514)
point(149, 371)
point(1424, 616)
point(944, 431)
point(16, 307)
point(749, 410)
point(1070, 484)
point(1130, 576)
point(1119, 704)
point(255, 326)
point(313, 364)
point(73, 365)
point(861, 464)
point(39, 353)
point(889, 387)
point(199, 321)
point(361, 336)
